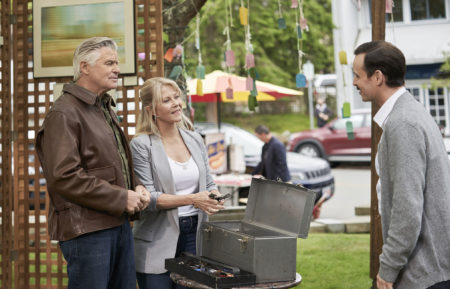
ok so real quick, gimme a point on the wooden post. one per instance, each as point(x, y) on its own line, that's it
point(376, 240)
point(6, 140)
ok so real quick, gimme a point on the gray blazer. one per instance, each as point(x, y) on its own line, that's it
point(415, 198)
point(156, 232)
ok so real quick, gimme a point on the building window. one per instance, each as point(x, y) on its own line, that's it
point(427, 9)
point(397, 12)
point(415, 91)
point(437, 105)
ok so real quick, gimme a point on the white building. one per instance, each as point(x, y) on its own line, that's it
point(421, 29)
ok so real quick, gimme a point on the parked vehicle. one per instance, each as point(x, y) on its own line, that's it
point(331, 142)
point(312, 173)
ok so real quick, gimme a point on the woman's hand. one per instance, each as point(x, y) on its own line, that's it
point(208, 205)
point(145, 196)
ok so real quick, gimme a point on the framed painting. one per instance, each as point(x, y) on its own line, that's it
point(60, 26)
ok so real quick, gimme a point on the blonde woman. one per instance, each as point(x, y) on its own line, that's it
point(171, 161)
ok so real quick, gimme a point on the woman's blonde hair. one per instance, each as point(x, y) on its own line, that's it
point(150, 95)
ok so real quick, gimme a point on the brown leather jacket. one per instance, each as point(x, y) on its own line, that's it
point(82, 165)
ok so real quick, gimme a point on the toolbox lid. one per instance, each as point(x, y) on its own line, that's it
point(279, 206)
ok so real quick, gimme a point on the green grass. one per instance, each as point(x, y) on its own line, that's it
point(334, 261)
point(325, 261)
point(277, 123)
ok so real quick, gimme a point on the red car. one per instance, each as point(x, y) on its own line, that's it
point(331, 141)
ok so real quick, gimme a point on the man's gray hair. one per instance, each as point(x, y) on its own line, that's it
point(88, 51)
point(262, 129)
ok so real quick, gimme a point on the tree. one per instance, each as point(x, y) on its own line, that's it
point(443, 76)
point(176, 16)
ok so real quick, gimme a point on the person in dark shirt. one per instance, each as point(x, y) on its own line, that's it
point(322, 112)
point(273, 163)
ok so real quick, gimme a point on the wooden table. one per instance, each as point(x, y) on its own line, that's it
point(184, 281)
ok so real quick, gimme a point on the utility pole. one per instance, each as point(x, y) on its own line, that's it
point(376, 240)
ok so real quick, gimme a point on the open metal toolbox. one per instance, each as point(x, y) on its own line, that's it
point(265, 241)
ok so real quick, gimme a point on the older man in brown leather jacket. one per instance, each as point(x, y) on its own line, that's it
point(88, 166)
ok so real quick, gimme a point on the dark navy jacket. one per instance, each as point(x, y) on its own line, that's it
point(273, 161)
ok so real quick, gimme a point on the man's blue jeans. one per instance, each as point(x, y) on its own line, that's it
point(101, 260)
point(186, 243)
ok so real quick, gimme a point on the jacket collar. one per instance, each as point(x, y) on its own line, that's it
point(84, 94)
point(80, 92)
point(383, 113)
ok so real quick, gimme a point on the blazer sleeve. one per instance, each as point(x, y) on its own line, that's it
point(143, 168)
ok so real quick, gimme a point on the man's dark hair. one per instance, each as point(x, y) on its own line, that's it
point(262, 129)
point(383, 56)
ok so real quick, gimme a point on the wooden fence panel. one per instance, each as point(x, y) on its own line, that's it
point(5, 148)
point(38, 262)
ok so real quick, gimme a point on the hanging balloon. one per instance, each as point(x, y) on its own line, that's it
point(389, 5)
point(200, 72)
point(342, 57)
point(243, 16)
point(294, 4)
point(199, 87)
point(178, 51)
point(346, 110)
point(229, 58)
point(249, 83)
point(251, 102)
point(300, 80)
point(303, 23)
point(281, 23)
point(254, 91)
point(299, 32)
point(176, 71)
point(169, 55)
point(249, 60)
point(229, 93)
point(349, 128)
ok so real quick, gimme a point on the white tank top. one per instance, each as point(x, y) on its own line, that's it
point(186, 179)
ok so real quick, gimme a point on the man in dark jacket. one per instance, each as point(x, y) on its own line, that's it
point(90, 180)
point(273, 164)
